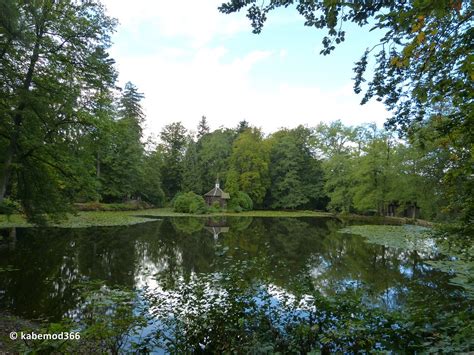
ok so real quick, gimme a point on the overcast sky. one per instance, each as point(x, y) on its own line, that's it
point(190, 60)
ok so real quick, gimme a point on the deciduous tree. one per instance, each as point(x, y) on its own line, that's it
point(53, 60)
point(173, 137)
point(249, 162)
point(423, 68)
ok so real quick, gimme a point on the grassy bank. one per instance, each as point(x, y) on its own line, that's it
point(95, 218)
point(116, 218)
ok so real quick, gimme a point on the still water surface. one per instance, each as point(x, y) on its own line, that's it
point(40, 267)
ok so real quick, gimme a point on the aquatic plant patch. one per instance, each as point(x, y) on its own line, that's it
point(451, 258)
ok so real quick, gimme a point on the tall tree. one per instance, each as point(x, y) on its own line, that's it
point(242, 126)
point(174, 140)
point(248, 168)
point(424, 161)
point(286, 190)
point(373, 173)
point(296, 176)
point(333, 139)
point(339, 183)
point(423, 67)
point(335, 143)
point(203, 127)
point(452, 154)
point(214, 153)
point(52, 61)
point(192, 172)
point(96, 144)
point(414, 181)
point(130, 106)
point(122, 164)
point(150, 187)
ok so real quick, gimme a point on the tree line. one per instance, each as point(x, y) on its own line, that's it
point(69, 134)
point(332, 166)
point(422, 72)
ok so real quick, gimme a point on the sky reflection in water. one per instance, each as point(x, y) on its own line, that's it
point(163, 253)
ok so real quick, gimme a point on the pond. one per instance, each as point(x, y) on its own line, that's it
point(40, 269)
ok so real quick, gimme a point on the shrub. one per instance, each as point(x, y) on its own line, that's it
point(240, 201)
point(215, 207)
point(189, 202)
point(109, 321)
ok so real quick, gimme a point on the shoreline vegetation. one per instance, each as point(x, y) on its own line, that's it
point(104, 215)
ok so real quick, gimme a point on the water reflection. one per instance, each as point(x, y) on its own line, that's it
point(164, 252)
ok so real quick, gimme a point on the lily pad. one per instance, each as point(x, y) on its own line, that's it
point(421, 239)
point(406, 237)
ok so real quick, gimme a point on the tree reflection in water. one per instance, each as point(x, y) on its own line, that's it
point(175, 253)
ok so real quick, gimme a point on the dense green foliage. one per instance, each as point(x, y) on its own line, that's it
point(189, 202)
point(174, 140)
point(248, 165)
point(423, 73)
point(296, 176)
point(366, 169)
point(69, 136)
point(240, 201)
point(65, 134)
point(334, 167)
point(54, 69)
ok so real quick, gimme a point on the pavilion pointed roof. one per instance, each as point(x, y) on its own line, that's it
point(217, 192)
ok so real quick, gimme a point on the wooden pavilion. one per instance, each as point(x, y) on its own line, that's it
point(217, 195)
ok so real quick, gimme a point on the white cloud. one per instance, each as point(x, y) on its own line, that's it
point(292, 105)
point(185, 90)
point(191, 78)
point(198, 21)
point(225, 92)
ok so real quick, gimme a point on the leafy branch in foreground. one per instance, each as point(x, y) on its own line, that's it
point(228, 312)
point(423, 70)
point(222, 312)
point(108, 320)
